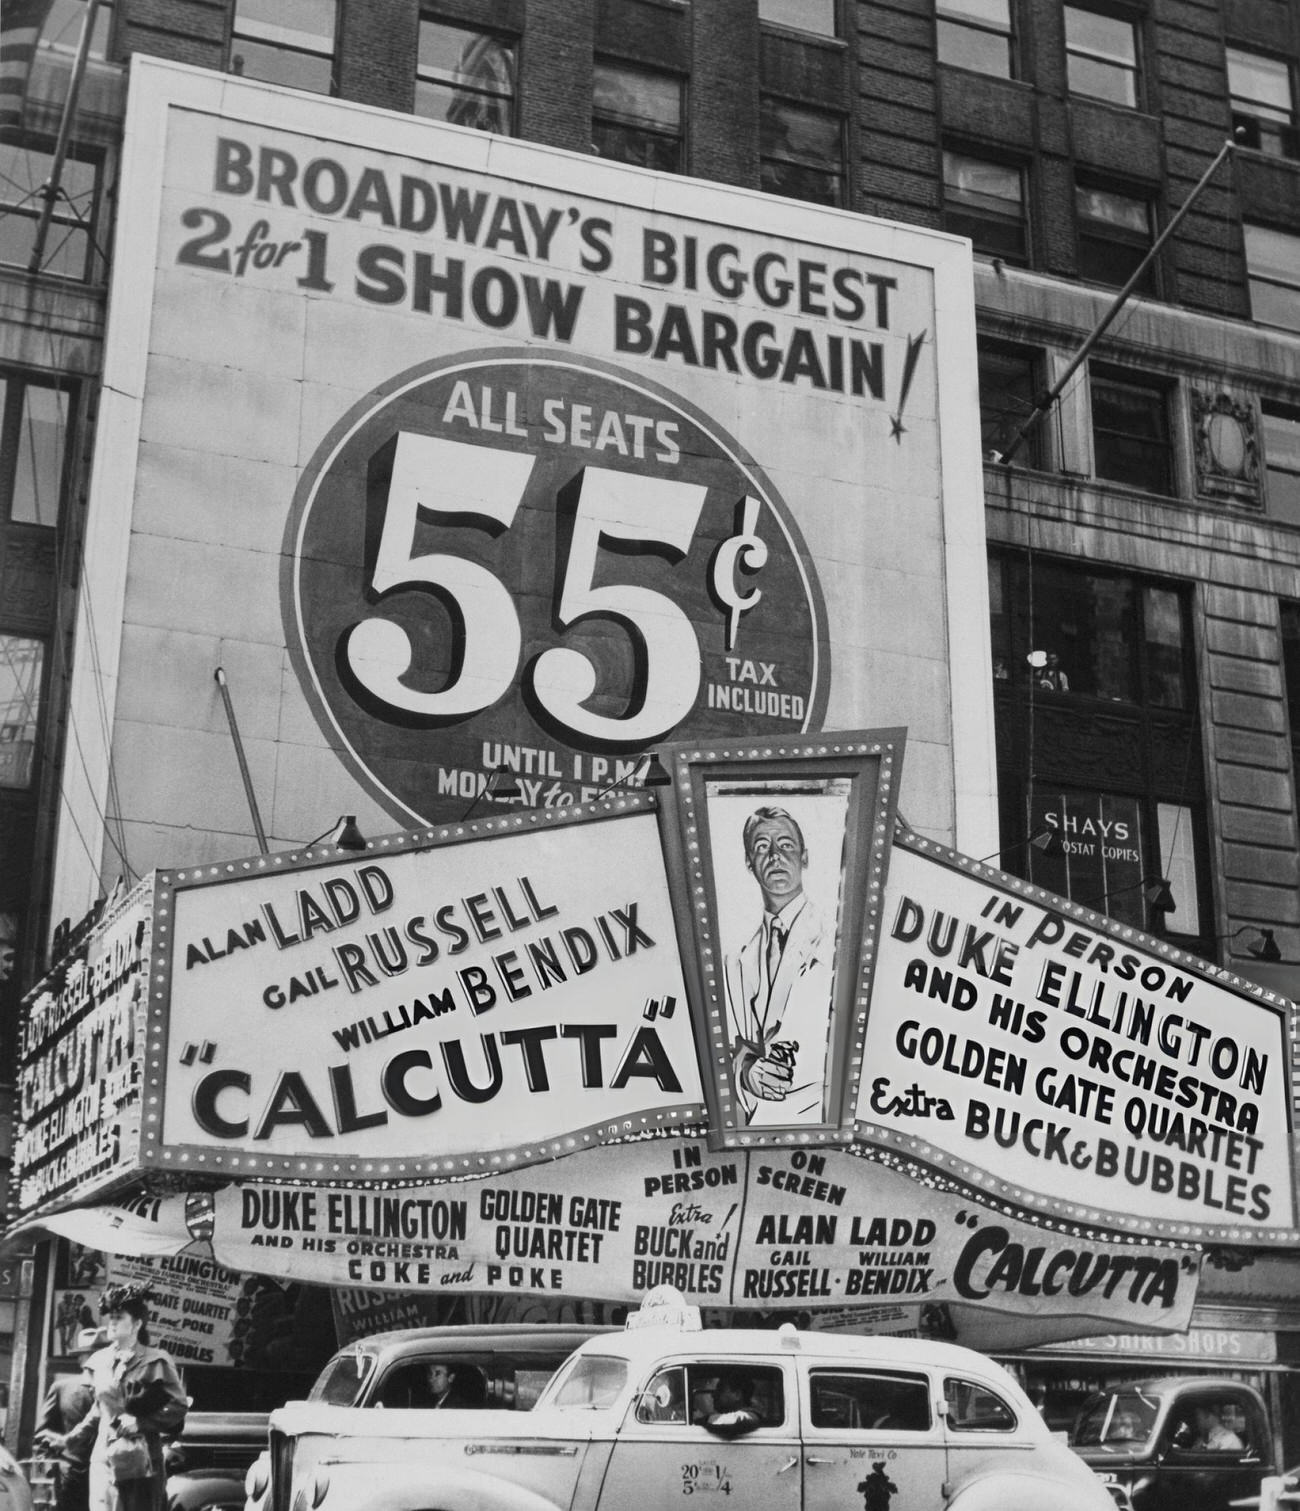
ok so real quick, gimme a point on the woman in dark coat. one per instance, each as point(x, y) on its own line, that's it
point(137, 1393)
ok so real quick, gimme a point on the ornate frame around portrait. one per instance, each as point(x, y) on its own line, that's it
point(840, 790)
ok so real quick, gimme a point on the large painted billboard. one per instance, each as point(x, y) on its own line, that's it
point(457, 453)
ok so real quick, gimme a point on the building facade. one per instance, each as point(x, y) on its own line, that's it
point(1140, 505)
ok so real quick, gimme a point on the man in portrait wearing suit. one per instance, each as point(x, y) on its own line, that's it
point(778, 983)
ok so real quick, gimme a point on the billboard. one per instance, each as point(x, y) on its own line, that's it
point(459, 453)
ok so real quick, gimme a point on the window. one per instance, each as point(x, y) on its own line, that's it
point(976, 34)
point(858, 1401)
point(1273, 267)
point(800, 15)
point(1130, 433)
point(286, 42)
point(465, 76)
point(985, 201)
point(33, 437)
point(802, 153)
point(23, 172)
point(1280, 428)
point(1101, 56)
point(637, 117)
point(21, 661)
point(1114, 236)
point(1263, 102)
point(976, 1408)
point(61, 31)
point(1113, 636)
point(1009, 388)
point(1290, 631)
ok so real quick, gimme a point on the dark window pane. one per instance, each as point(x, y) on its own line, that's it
point(802, 152)
point(1166, 666)
point(20, 706)
point(1131, 435)
point(985, 201)
point(629, 144)
point(38, 464)
point(1009, 388)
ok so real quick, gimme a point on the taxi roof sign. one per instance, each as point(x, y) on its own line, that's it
point(665, 1306)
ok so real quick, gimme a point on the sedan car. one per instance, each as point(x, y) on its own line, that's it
point(773, 1421)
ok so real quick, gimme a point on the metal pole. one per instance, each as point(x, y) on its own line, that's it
point(50, 189)
point(220, 677)
point(1054, 393)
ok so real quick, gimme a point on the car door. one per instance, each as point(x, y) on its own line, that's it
point(873, 1439)
point(681, 1439)
point(1213, 1449)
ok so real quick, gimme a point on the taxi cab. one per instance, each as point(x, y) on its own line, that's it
point(646, 1418)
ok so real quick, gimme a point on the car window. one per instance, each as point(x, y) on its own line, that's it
point(664, 1398)
point(869, 1400)
point(716, 1391)
point(1115, 1419)
point(342, 1378)
point(590, 1380)
point(1217, 1426)
point(976, 1408)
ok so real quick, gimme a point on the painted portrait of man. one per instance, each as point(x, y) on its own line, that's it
point(779, 980)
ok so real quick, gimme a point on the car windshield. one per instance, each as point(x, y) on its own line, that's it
point(341, 1380)
point(1115, 1419)
point(589, 1381)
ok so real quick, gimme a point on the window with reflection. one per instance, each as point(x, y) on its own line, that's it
point(1131, 440)
point(1263, 102)
point(985, 200)
point(976, 34)
point(1114, 236)
point(1273, 274)
point(286, 42)
point(1101, 55)
point(25, 167)
point(21, 662)
point(637, 116)
point(801, 152)
point(465, 76)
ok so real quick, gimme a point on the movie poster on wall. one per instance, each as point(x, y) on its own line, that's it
point(474, 454)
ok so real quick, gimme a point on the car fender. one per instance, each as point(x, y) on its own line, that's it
point(425, 1487)
point(1024, 1490)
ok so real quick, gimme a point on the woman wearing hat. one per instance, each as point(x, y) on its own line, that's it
point(139, 1399)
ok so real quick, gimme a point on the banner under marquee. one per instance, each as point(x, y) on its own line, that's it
point(789, 1230)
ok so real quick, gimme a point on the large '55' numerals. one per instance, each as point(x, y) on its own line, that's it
point(435, 476)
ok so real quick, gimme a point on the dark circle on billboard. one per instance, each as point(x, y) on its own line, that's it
point(544, 562)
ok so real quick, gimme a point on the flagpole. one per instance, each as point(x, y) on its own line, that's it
point(1103, 325)
point(50, 188)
